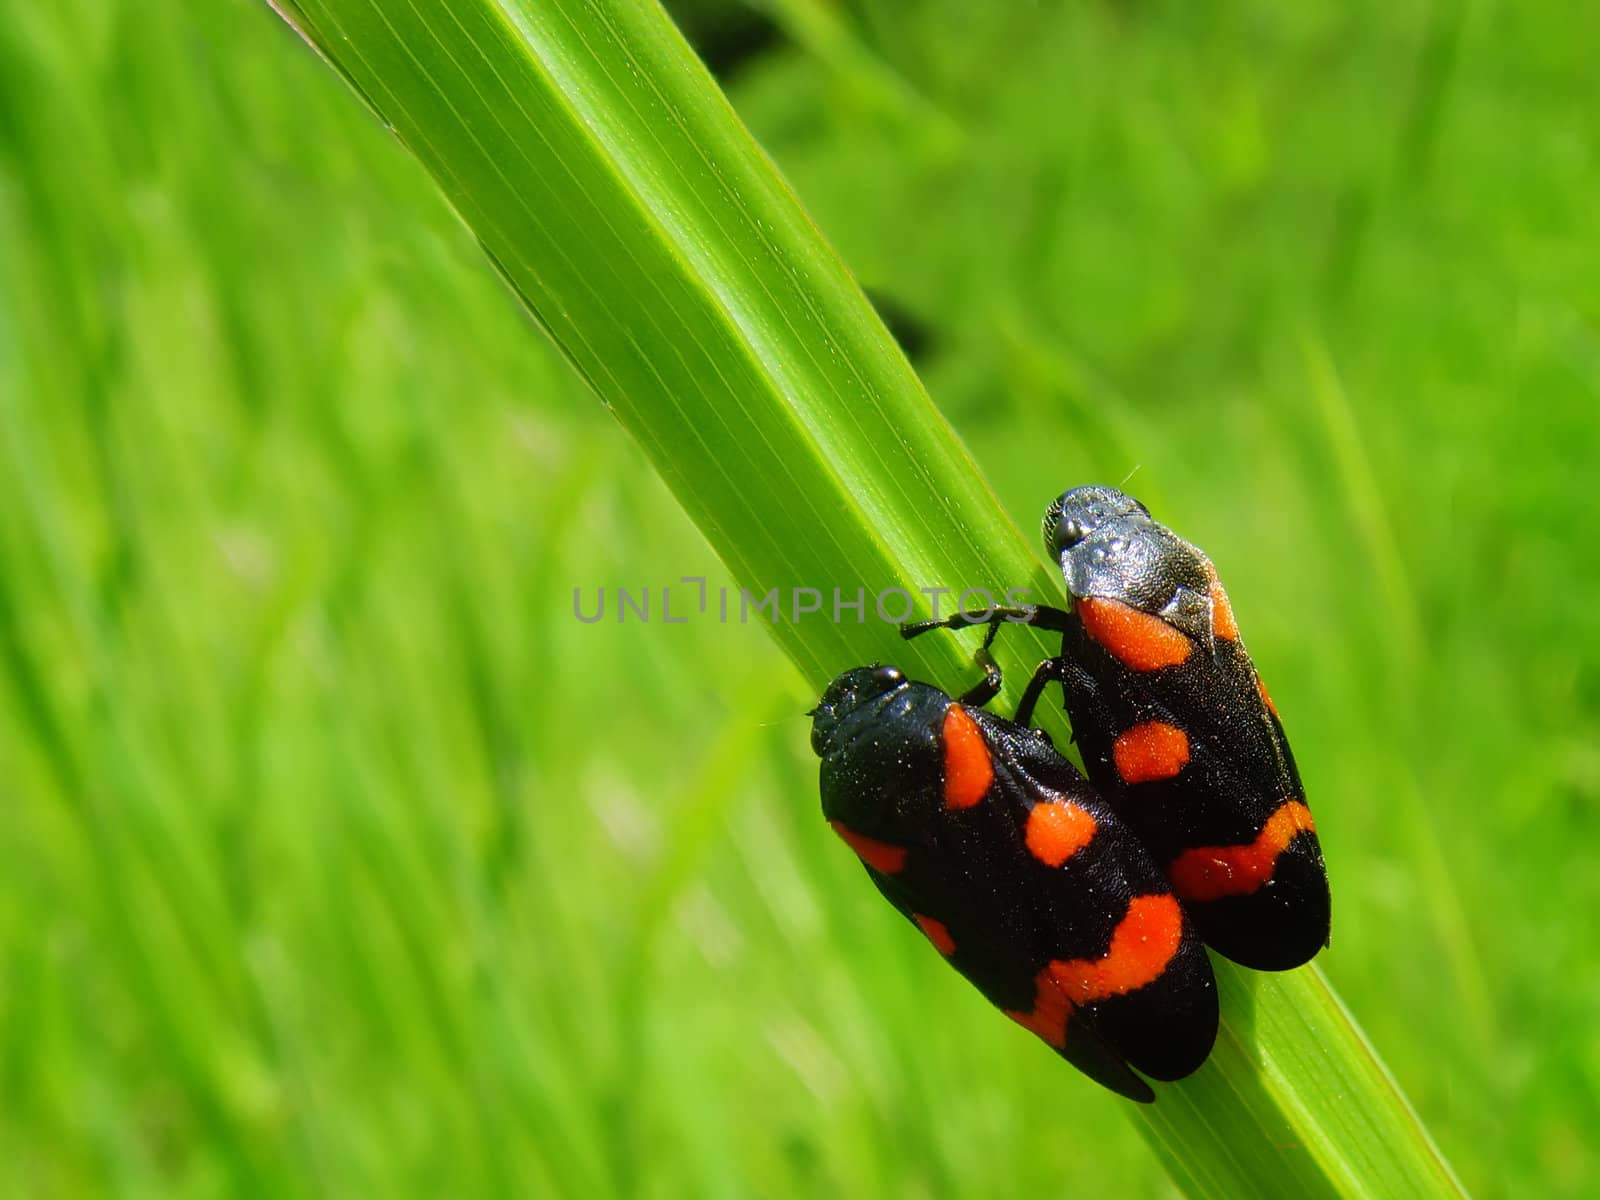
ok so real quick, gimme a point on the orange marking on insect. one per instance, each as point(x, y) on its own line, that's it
point(1266, 696)
point(1223, 624)
point(1210, 872)
point(937, 933)
point(968, 770)
point(1141, 947)
point(880, 856)
point(1048, 1017)
point(1152, 750)
point(1139, 640)
point(1058, 829)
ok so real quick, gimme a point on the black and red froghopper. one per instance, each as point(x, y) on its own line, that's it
point(1177, 729)
point(1018, 873)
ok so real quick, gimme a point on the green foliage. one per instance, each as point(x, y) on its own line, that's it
point(343, 859)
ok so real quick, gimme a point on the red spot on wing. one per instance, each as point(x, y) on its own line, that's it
point(937, 933)
point(1048, 1018)
point(1058, 829)
point(1266, 697)
point(1211, 872)
point(1223, 624)
point(1144, 942)
point(1142, 946)
point(1139, 640)
point(880, 856)
point(1152, 750)
point(968, 770)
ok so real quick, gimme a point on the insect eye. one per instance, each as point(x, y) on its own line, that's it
point(886, 678)
point(1063, 529)
point(1082, 511)
point(848, 693)
point(1069, 533)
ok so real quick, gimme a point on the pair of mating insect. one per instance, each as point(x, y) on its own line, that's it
point(1079, 907)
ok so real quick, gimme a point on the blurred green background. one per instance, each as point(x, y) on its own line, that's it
point(337, 858)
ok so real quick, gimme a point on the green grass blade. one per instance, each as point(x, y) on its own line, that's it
point(623, 201)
